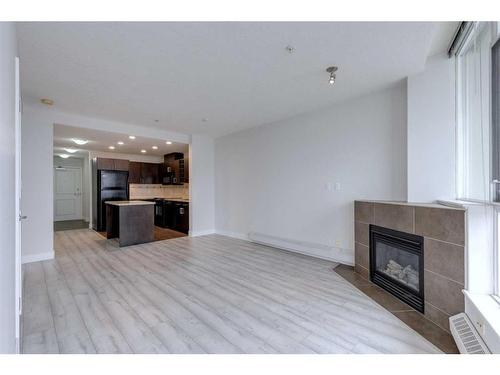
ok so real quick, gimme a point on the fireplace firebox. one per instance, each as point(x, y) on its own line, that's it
point(397, 264)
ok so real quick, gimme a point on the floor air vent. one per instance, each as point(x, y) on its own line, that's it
point(466, 337)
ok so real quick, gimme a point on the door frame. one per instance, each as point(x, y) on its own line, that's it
point(80, 169)
point(18, 215)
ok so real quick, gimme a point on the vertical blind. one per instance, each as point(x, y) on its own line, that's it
point(474, 134)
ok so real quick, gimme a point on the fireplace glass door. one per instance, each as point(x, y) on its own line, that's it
point(398, 264)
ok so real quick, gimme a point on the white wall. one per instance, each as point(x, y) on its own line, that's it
point(38, 199)
point(87, 189)
point(201, 185)
point(431, 132)
point(275, 179)
point(55, 116)
point(8, 51)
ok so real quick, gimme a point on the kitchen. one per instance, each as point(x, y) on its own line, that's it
point(138, 187)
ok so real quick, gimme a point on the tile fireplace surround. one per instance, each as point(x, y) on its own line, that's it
point(443, 229)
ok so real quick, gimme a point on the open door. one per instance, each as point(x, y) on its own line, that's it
point(19, 216)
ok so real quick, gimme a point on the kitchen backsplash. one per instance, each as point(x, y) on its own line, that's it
point(144, 191)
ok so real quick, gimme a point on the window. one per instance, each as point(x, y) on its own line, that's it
point(478, 130)
point(495, 117)
point(473, 93)
point(495, 121)
point(496, 256)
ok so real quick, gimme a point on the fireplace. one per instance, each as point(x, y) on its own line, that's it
point(397, 264)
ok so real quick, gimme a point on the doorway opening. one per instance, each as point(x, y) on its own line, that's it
point(95, 170)
point(69, 183)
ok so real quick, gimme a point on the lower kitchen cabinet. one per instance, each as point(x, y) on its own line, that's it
point(182, 217)
point(172, 215)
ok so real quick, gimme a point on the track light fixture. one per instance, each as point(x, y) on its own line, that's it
point(332, 70)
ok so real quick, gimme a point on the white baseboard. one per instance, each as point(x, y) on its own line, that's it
point(334, 254)
point(201, 232)
point(37, 257)
point(239, 236)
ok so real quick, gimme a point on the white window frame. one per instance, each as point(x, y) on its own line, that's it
point(496, 234)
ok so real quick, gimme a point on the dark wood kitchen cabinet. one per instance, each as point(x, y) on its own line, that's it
point(150, 173)
point(177, 166)
point(134, 172)
point(121, 165)
point(144, 173)
point(105, 163)
point(181, 217)
point(112, 164)
point(186, 171)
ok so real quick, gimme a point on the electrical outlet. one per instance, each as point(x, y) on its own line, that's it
point(480, 327)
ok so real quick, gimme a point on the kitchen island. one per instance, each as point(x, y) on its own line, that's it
point(132, 222)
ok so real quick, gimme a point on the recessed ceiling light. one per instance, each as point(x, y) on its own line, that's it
point(131, 136)
point(111, 147)
point(290, 49)
point(47, 101)
point(156, 120)
point(64, 156)
point(120, 143)
point(71, 150)
point(143, 151)
point(204, 119)
point(155, 147)
point(168, 142)
point(80, 141)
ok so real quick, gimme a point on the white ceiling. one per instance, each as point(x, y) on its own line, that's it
point(443, 35)
point(235, 75)
point(101, 140)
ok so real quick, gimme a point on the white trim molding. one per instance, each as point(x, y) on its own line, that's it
point(37, 257)
point(201, 232)
point(239, 236)
point(315, 250)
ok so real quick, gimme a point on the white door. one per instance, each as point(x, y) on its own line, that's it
point(67, 193)
point(19, 217)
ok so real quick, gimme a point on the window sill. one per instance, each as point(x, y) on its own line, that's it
point(484, 312)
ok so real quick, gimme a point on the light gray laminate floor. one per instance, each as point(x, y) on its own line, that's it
point(209, 294)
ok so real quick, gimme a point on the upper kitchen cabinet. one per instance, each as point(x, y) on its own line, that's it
point(134, 172)
point(105, 163)
point(150, 173)
point(112, 164)
point(186, 171)
point(144, 173)
point(175, 168)
point(121, 165)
